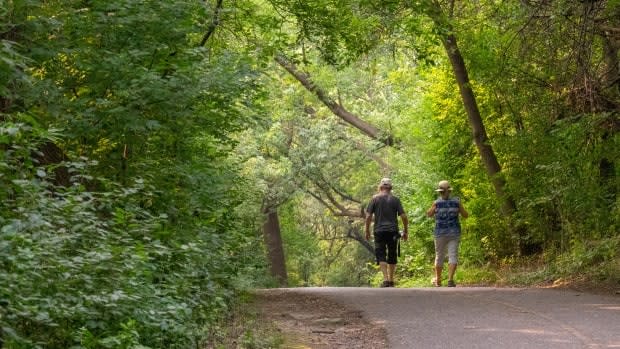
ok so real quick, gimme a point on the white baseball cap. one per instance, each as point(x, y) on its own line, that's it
point(443, 186)
point(385, 182)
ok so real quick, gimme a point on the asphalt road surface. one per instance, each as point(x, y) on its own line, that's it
point(464, 317)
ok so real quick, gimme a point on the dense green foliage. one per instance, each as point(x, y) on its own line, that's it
point(549, 107)
point(142, 142)
point(119, 197)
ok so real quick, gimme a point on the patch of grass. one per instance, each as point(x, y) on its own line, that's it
point(244, 329)
point(477, 275)
point(466, 275)
point(593, 267)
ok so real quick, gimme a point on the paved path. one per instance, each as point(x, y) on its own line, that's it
point(506, 318)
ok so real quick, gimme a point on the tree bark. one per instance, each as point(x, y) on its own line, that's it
point(481, 139)
point(489, 159)
point(355, 233)
point(273, 242)
point(334, 106)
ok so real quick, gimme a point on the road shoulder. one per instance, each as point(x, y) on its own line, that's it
point(307, 321)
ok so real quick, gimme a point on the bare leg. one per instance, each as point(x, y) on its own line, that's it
point(451, 270)
point(438, 270)
point(391, 268)
point(384, 269)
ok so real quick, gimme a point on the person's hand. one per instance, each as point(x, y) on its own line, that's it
point(405, 235)
point(367, 235)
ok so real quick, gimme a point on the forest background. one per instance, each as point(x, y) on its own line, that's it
point(160, 158)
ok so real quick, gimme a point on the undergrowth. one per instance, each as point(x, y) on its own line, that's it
point(244, 328)
point(592, 266)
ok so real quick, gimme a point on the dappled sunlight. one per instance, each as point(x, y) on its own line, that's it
point(610, 308)
point(544, 335)
point(615, 307)
point(527, 331)
point(532, 331)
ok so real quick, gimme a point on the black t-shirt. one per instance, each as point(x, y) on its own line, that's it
point(386, 208)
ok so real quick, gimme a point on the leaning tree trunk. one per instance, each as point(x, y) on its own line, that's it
point(481, 139)
point(273, 243)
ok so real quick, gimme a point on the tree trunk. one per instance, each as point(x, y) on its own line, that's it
point(489, 159)
point(273, 242)
point(487, 154)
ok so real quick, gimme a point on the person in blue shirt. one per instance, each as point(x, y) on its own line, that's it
point(447, 233)
point(386, 208)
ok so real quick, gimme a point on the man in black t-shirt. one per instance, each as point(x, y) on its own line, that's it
point(386, 208)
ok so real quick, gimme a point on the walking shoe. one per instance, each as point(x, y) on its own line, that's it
point(436, 283)
point(451, 283)
point(385, 284)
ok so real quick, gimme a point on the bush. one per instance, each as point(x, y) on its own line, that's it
point(98, 269)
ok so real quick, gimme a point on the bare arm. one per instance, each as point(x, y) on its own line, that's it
point(405, 220)
point(431, 211)
point(367, 225)
point(464, 213)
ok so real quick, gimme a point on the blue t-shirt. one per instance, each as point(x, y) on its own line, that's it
point(447, 217)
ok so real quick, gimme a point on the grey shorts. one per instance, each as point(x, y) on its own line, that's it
point(445, 244)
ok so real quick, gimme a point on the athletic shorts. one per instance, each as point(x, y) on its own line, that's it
point(385, 246)
point(445, 244)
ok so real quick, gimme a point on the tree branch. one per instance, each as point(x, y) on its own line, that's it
point(355, 234)
point(214, 23)
point(326, 188)
point(334, 106)
point(337, 209)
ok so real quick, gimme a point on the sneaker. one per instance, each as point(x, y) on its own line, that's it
point(385, 284)
point(436, 283)
point(451, 283)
